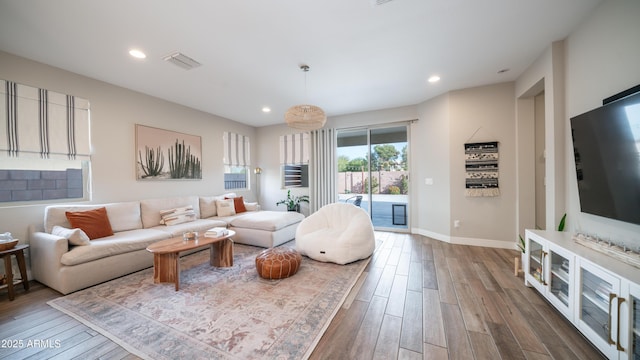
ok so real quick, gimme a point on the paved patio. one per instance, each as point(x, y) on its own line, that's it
point(389, 211)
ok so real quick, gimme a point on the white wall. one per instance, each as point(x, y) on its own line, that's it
point(478, 115)
point(446, 123)
point(114, 113)
point(540, 162)
point(268, 158)
point(384, 116)
point(602, 59)
point(546, 75)
point(430, 159)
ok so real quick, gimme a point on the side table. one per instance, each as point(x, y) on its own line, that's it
point(8, 270)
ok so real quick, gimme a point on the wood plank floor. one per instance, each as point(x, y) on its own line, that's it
point(418, 299)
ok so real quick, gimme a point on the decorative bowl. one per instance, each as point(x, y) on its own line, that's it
point(6, 245)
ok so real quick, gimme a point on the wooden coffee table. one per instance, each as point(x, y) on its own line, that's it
point(166, 255)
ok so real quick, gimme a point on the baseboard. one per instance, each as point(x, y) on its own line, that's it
point(466, 241)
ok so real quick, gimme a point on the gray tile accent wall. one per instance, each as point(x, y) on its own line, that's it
point(38, 185)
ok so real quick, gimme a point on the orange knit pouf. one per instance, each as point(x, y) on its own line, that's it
point(278, 263)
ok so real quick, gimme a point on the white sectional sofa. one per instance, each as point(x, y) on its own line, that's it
point(136, 224)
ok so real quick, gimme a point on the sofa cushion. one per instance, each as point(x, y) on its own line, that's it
point(74, 236)
point(120, 243)
point(150, 208)
point(208, 206)
point(267, 220)
point(95, 223)
point(122, 216)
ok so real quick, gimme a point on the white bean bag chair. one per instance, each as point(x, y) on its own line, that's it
point(339, 233)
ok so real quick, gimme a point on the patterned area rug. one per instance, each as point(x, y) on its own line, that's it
point(218, 313)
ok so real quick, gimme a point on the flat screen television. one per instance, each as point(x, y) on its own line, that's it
point(606, 146)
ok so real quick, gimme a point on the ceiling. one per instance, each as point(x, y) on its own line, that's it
point(362, 56)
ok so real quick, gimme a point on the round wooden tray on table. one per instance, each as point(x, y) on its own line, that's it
point(6, 245)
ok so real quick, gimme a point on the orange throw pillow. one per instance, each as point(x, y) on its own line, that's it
point(95, 223)
point(238, 203)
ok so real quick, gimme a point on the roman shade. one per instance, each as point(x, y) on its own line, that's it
point(42, 123)
point(294, 149)
point(236, 149)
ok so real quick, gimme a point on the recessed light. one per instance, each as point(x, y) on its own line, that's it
point(138, 54)
point(434, 79)
point(266, 109)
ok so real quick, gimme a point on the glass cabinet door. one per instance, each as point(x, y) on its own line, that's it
point(635, 325)
point(595, 304)
point(536, 261)
point(598, 313)
point(560, 277)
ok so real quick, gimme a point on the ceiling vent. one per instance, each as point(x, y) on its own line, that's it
point(181, 60)
point(379, 2)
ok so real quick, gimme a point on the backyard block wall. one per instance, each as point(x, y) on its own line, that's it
point(37, 185)
point(354, 182)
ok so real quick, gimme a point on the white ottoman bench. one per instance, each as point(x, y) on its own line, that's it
point(265, 228)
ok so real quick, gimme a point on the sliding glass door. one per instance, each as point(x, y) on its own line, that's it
point(373, 173)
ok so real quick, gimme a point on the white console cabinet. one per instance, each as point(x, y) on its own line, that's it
point(550, 270)
point(600, 295)
point(634, 321)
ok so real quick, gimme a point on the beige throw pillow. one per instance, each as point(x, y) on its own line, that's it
point(225, 207)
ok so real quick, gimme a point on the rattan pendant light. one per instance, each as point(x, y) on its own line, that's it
point(305, 117)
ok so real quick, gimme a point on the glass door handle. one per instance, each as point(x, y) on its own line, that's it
point(611, 297)
point(543, 276)
point(619, 347)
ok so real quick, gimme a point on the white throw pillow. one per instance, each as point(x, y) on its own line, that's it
point(225, 207)
point(251, 206)
point(74, 236)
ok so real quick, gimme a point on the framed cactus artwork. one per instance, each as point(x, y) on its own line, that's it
point(167, 155)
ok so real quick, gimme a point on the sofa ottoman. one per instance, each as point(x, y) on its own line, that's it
point(265, 228)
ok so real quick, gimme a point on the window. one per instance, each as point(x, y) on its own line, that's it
point(236, 161)
point(235, 177)
point(294, 158)
point(295, 176)
point(44, 147)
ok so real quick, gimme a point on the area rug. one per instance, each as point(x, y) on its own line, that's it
point(218, 313)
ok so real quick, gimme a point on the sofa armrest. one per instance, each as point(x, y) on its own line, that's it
point(46, 252)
